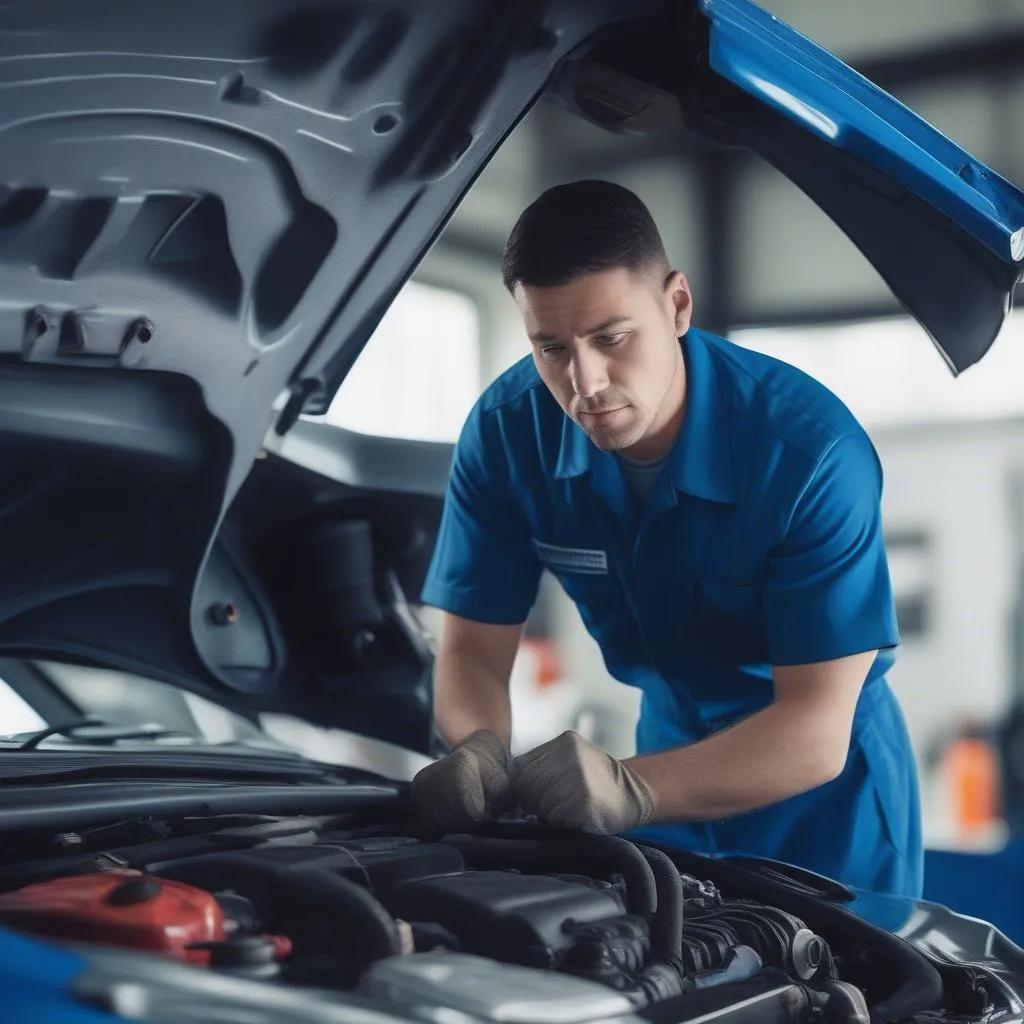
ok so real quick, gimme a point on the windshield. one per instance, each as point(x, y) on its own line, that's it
point(119, 698)
point(51, 693)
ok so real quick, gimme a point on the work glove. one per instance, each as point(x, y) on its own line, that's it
point(571, 784)
point(468, 785)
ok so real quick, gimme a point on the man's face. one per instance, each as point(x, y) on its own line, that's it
point(606, 347)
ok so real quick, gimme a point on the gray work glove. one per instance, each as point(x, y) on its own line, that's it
point(571, 784)
point(468, 785)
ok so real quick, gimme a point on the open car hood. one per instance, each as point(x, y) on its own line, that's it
point(204, 206)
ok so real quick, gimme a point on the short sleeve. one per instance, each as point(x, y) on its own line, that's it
point(827, 590)
point(484, 566)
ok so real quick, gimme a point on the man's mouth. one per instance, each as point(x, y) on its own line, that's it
point(600, 414)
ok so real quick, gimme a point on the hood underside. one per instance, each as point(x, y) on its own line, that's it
point(204, 206)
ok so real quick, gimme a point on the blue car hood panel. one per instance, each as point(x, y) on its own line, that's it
point(944, 231)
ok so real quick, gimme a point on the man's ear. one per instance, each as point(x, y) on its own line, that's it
point(677, 292)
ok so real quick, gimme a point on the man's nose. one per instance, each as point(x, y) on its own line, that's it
point(589, 374)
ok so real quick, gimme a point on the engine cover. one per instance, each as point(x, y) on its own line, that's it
point(511, 917)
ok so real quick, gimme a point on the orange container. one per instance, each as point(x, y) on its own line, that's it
point(972, 775)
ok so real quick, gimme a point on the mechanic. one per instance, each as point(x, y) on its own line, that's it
point(715, 516)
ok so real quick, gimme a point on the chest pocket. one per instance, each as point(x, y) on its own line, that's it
point(729, 621)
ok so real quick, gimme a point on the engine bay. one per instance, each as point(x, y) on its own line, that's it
point(510, 925)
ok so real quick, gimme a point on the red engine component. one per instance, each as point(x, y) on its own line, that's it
point(119, 908)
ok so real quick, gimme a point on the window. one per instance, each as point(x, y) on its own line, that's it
point(15, 714)
point(888, 372)
point(419, 374)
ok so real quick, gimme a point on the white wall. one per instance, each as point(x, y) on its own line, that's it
point(791, 255)
point(502, 337)
point(954, 482)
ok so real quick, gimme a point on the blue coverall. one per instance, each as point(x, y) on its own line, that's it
point(760, 544)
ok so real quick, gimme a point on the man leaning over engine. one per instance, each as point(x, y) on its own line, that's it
point(714, 514)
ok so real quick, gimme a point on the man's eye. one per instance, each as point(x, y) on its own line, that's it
point(611, 340)
point(551, 350)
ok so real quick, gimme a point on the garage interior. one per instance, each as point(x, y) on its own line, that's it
point(769, 270)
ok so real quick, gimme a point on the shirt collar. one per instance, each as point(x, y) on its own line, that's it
point(702, 457)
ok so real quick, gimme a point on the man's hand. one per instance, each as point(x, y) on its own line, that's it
point(467, 785)
point(571, 784)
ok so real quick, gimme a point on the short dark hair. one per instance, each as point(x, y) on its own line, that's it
point(581, 228)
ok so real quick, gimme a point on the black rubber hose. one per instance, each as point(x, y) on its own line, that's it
point(667, 926)
point(349, 906)
point(658, 982)
point(569, 853)
point(846, 1004)
point(920, 986)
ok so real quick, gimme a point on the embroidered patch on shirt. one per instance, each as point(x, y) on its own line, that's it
point(582, 560)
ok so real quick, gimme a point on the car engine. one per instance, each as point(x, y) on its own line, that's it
point(296, 918)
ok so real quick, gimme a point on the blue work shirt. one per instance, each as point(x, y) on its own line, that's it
point(759, 544)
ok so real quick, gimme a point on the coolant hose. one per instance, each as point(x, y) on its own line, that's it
point(316, 890)
point(667, 925)
point(571, 854)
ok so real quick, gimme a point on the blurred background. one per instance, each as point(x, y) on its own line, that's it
point(771, 272)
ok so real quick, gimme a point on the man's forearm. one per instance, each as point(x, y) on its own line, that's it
point(776, 753)
point(468, 696)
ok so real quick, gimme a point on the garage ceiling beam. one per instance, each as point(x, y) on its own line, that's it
point(814, 316)
point(833, 313)
point(684, 147)
point(989, 56)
